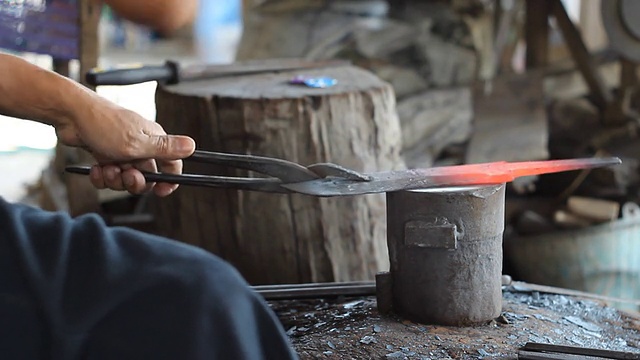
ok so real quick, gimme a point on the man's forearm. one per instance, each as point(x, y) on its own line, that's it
point(30, 92)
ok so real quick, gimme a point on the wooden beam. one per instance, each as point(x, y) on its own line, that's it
point(537, 33)
point(89, 20)
point(61, 67)
point(82, 196)
point(582, 57)
point(591, 26)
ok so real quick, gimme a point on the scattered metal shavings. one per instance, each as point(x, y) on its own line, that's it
point(577, 341)
point(503, 319)
point(396, 355)
point(544, 318)
point(587, 325)
point(483, 352)
point(353, 304)
point(377, 328)
point(514, 317)
point(368, 340)
point(620, 342)
point(591, 333)
point(327, 352)
point(535, 296)
point(292, 330)
point(331, 345)
point(546, 325)
point(537, 339)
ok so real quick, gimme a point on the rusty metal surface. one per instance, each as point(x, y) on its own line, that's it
point(445, 249)
point(352, 328)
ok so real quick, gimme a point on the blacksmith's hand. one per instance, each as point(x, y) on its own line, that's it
point(123, 143)
point(121, 140)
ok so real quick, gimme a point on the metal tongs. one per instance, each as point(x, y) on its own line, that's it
point(328, 179)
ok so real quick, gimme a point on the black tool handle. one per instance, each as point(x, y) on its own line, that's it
point(271, 185)
point(164, 74)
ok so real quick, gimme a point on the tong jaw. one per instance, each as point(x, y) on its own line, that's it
point(324, 170)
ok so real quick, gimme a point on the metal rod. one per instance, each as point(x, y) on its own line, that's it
point(316, 290)
point(573, 350)
point(312, 285)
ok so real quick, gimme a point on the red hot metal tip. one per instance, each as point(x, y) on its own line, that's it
point(503, 172)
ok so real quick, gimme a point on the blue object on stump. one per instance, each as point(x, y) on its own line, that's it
point(314, 82)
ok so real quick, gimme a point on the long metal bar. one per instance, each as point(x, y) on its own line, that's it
point(368, 288)
point(573, 350)
point(312, 285)
point(316, 290)
point(459, 175)
point(345, 182)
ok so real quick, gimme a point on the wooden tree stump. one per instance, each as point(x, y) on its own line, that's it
point(280, 238)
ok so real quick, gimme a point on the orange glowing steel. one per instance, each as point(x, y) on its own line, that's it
point(503, 172)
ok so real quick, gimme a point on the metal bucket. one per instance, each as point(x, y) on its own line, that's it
point(602, 259)
point(445, 249)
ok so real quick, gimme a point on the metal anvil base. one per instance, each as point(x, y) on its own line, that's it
point(445, 251)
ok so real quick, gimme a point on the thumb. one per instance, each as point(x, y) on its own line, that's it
point(168, 147)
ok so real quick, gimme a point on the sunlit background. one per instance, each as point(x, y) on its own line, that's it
point(27, 147)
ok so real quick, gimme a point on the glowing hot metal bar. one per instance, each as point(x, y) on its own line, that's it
point(472, 174)
point(327, 179)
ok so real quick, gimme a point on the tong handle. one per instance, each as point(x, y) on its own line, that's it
point(256, 184)
point(287, 171)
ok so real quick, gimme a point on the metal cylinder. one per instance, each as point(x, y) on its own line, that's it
point(445, 249)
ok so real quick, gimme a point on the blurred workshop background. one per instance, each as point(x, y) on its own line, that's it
point(212, 38)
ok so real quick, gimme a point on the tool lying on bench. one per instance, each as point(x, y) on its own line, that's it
point(173, 73)
point(327, 179)
point(535, 351)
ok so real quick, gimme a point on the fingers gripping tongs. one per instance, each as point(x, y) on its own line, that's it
point(278, 172)
point(327, 179)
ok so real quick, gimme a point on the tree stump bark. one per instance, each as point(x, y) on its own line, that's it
point(280, 238)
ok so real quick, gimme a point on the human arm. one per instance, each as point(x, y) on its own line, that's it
point(165, 16)
point(120, 140)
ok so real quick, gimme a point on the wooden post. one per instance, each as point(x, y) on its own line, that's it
point(276, 238)
point(81, 195)
point(537, 32)
point(591, 26)
point(582, 57)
